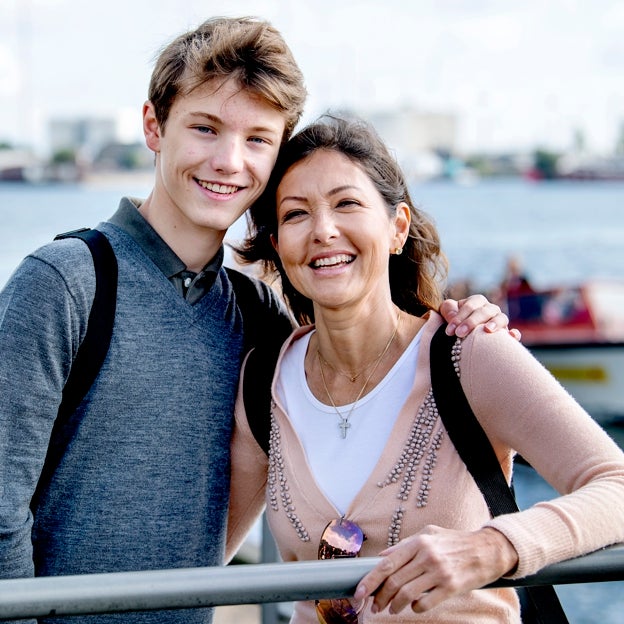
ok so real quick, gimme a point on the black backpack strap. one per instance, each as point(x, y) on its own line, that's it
point(464, 429)
point(94, 347)
point(92, 350)
point(265, 332)
point(473, 446)
point(259, 371)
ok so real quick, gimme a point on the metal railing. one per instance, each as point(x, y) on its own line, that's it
point(242, 584)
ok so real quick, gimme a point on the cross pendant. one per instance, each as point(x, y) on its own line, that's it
point(344, 424)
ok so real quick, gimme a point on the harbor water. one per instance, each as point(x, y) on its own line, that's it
point(565, 233)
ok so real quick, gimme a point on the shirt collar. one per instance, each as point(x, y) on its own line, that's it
point(129, 219)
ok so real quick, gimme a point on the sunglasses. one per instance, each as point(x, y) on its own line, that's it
point(340, 539)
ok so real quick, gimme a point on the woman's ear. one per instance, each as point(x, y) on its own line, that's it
point(151, 127)
point(274, 243)
point(402, 220)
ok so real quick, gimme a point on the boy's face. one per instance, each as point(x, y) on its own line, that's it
point(215, 155)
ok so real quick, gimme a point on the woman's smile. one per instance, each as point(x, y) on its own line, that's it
point(332, 261)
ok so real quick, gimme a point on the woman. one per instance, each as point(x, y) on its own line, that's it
point(356, 441)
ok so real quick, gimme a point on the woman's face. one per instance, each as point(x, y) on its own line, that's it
point(335, 232)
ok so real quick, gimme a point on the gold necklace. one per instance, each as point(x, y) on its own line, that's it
point(351, 378)
point(344, 423)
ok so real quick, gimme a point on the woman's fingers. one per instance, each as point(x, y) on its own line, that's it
point(425, 569)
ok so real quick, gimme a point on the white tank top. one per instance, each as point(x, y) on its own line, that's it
point(340, 465)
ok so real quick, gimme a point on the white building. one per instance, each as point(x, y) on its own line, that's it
point(420, 140)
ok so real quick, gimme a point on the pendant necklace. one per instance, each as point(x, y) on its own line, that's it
point(344, 423)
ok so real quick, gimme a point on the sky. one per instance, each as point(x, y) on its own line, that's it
point(517, 75)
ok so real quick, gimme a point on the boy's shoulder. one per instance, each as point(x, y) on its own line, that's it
point(62, 253)
point(59, 269)
point(252, 292)
point(265, 316)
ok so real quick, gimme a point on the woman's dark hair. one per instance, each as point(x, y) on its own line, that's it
point(416, 276)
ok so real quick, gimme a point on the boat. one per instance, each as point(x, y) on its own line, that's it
point(577, 333)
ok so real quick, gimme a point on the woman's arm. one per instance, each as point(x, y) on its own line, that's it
point(248, 476)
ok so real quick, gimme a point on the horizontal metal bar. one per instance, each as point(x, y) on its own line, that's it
point(601, 566)
point(240, 584)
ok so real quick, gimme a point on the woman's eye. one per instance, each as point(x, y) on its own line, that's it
point(258, 140)
point(346, 203)
point(292, 214)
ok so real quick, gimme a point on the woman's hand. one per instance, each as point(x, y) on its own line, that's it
point(465, 315)
point(425, 569)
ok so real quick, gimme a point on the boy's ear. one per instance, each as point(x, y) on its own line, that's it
point(151, 128)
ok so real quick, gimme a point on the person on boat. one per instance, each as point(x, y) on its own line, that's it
point(518, 297)
point(141, 479)
point(357, 449)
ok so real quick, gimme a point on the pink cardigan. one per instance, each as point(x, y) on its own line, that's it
point(520, 406)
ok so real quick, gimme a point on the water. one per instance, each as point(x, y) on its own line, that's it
point(565, 233)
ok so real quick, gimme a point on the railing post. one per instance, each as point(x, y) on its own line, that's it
point(268, 554)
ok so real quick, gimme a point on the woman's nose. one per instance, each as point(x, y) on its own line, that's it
point(325, 226)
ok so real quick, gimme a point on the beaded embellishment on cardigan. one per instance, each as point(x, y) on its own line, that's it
point(277, 483)
point(419, 456)
point(456, 355)
point(421, 448)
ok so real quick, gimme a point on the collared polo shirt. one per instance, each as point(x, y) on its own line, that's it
point(191, 286)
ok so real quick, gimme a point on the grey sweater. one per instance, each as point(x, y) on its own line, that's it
point(143, 479)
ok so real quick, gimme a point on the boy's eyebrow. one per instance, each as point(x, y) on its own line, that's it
point(218, 120)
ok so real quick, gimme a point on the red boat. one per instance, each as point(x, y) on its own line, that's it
point(578, 334)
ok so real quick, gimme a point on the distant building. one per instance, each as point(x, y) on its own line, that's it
point(423, 142)
point(84, 136)
point(124, 156)
point(16, 164)
point(409, 130)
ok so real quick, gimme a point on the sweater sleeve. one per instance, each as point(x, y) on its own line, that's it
point(39, 335)
point(249, 465)
point(522, 406)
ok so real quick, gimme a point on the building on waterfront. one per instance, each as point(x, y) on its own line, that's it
point(17, 163)
point(85, 137)
point(411, 130)
point(424, 142)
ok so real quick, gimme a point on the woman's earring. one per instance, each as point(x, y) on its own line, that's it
point(398, 251)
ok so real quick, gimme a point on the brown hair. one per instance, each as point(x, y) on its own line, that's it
point(416, 276)
point(247, 49)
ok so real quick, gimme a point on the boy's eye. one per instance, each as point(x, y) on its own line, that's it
point(260, 140)
point(204, 129)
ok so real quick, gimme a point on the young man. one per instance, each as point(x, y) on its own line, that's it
point(140, 476)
